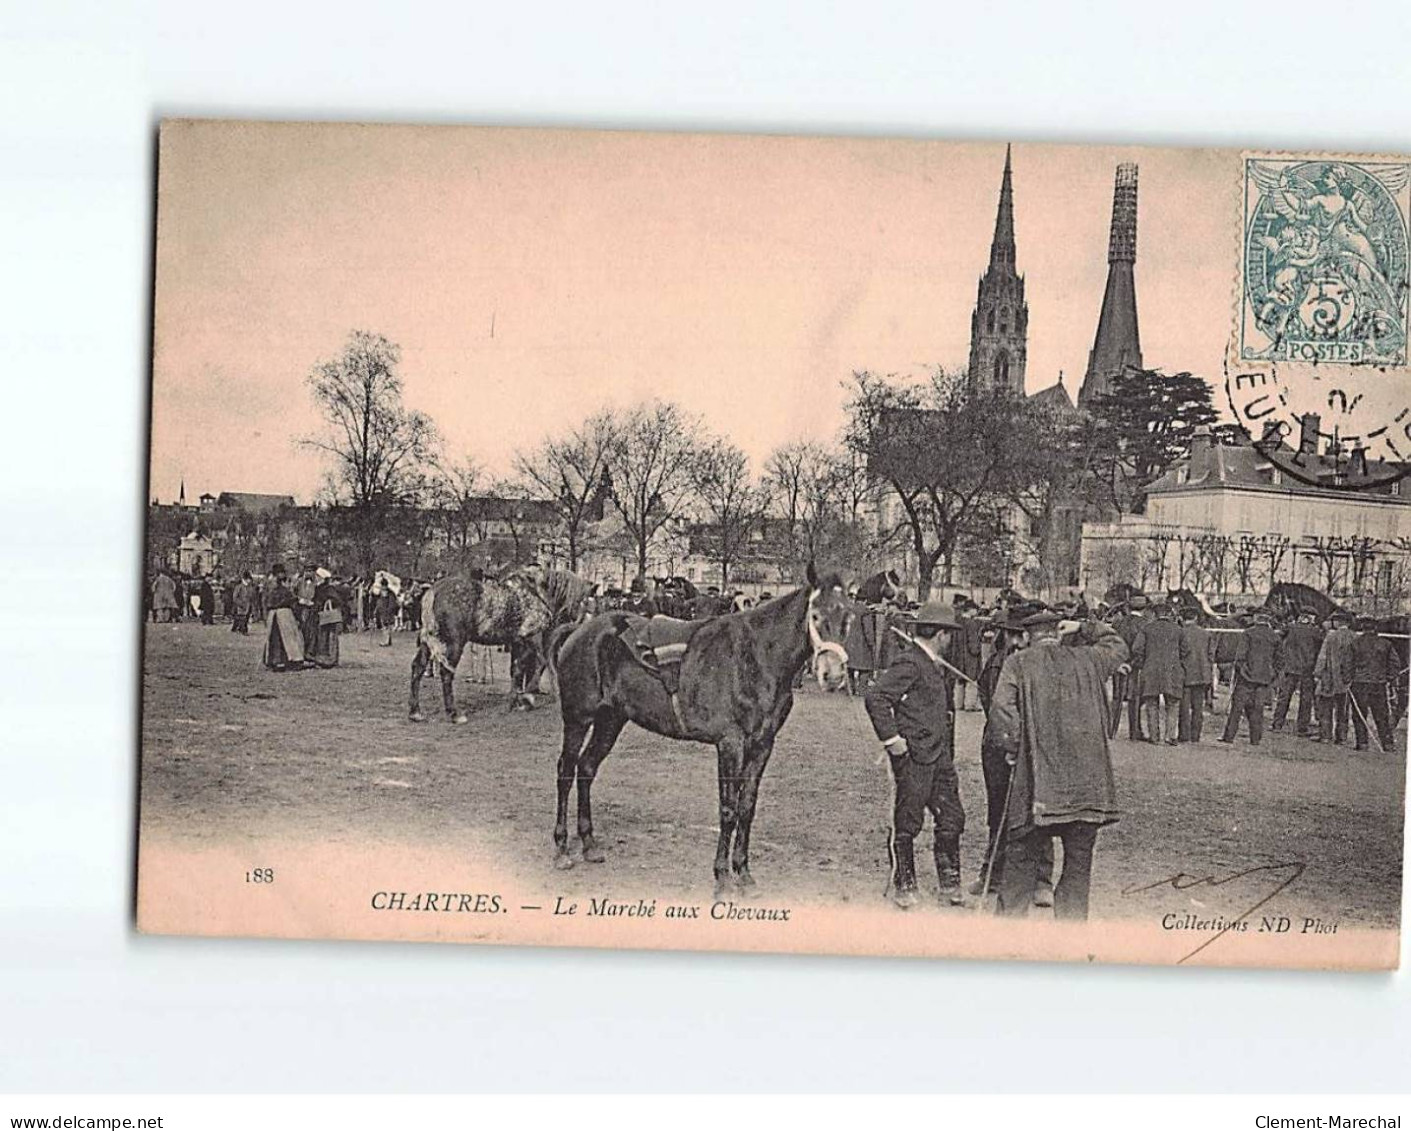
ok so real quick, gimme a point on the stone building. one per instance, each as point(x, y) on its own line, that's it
point(1229, 521)
point(999, 325)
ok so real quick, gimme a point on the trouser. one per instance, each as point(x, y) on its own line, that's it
point(997, 770)
point(1332, 717)
point(1247, 700)
point(1023, 858)
point(1288, 684)
point(308, 626)
point(240, 622)
point(932, 787)
point(1192, 720)
point(1134, 714)
point(1157, 707)
point(1369, 705)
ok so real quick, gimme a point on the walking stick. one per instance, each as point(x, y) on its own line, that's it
point(1351, 698)
point(999, 835)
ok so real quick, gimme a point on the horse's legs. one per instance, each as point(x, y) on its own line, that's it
point(448, 683)
point(729, 758)
point(574, 732)
point(607, 725)
point(419, 664)
point(756, 758)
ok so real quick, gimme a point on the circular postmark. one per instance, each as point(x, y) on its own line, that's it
point(1341, 427)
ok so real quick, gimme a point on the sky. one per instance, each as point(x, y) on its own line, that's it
point(532, 276)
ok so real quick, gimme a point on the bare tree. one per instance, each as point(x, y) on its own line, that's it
point(651, 464)
point(572, 472)
point(1246, 550)
point(455, 491)
point(734, 505)
point(949, 454)
point(1273, 548)
point(380, 449)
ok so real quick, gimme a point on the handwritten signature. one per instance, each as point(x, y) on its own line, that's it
point(1183, 882)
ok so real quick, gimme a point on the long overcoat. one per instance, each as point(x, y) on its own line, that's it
point(1157, 650)
point(1050, 710)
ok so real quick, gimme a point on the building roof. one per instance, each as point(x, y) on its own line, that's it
point(1056, 396)
point(252, 501)
point(1214, 466)
point(493, 508)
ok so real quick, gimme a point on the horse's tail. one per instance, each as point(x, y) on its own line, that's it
point(553, 645)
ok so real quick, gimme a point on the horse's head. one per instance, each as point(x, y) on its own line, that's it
point(828, 617)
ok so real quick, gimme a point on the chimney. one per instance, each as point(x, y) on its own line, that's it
point(1357, 467)
point(1308, 435)
point(1200, 451)
point(1273, 436)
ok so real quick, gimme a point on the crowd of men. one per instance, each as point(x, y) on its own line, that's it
point(322, 606)
point(1053, 683)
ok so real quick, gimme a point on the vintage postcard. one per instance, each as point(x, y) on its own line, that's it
point(816, 545)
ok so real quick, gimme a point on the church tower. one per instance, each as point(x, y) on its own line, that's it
point(999, 328)
point(1117, 346)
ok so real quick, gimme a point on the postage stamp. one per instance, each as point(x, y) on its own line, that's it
point(1325, 260)
point(1319, 353)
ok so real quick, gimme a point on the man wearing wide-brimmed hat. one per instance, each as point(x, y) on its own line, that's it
point(1129, 626)
point(910, 709)
point(1049, 713)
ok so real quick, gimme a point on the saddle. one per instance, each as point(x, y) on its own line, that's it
point(661, 644)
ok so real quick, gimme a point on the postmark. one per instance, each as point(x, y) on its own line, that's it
point(1318, 370)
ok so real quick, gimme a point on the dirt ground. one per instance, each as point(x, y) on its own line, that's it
point(233, 752)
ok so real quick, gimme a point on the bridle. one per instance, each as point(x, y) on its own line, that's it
point(816, 641)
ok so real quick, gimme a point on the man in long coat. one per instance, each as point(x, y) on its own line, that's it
point(1374, 667)
point(910, 709)
point(1129, 626)
point(1294, 664)
point(994, 764)
point(966, 652)
point(1332, 680)
point(1156, 651)
point(1049, 713)
point(1254, 672)
point(165, 601)
point(1197, 659)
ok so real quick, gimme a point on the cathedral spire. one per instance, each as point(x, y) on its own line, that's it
point(1117, 346)
point(1002, 246)
point(999, 327)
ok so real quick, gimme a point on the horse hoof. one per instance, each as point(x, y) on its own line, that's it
point(459, 719)
point(744, 881)
point(563, 862)
point(592, 854)
point(416, 717)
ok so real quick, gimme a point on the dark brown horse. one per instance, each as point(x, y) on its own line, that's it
point(734, 691)
point(519, 610)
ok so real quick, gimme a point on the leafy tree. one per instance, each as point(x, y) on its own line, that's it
point(1142, 425)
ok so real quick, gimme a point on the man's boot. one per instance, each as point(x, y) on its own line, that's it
point(948, 869)
point(903, 873)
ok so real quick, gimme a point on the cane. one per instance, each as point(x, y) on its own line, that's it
point(1351, 698)
point(998, 837)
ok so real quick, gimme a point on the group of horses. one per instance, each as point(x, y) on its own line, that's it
point(733, 688)
point(732, 685)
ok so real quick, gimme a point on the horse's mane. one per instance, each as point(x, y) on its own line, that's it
point(565, 591)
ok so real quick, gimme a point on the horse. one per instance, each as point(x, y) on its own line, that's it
point(734, 690)
point(880, 588)
point(518, 610)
